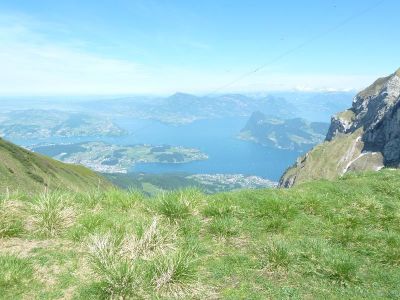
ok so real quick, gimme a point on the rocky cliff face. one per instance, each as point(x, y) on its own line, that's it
point(364, 137)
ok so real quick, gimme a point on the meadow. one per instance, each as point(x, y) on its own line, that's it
point(320, 240)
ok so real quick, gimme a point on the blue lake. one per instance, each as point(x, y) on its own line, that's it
point(216, 138)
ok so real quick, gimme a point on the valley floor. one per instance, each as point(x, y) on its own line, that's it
point(320, 240)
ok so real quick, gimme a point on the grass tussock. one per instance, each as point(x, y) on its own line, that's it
point(120, 276)
point(136, 266)
point(175, 275)
point(173, 206)
point(51, 214)
point(154, 240)
point(320, 240)
point(224, 227)
point(276, 255)
point(117, 198)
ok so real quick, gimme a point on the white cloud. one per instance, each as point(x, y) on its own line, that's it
point(32, 63)
point(49, 69)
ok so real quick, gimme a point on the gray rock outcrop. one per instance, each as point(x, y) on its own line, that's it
point(374, 120)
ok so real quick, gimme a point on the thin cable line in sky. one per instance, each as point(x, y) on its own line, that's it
point(284, 54)
point(298, 47)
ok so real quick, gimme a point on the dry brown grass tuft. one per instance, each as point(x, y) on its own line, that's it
point(51, 214)
point(154, 241)
point(175, 276)
point(120, 275)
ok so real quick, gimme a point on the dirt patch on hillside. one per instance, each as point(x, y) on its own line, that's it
point(24, 248)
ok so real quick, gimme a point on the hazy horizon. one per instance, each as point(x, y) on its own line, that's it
point(93, 96)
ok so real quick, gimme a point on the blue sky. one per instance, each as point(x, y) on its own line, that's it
point(159, 47)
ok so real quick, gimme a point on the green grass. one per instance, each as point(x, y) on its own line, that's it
point(11, 219)
point(347, 115)
point(16, 275)
point(31, 173)
point(177, 205)
point(223, 227)
point(51, 213)
point(376, 87)
point(319, 240)
point(326, 160)
point(175, 276)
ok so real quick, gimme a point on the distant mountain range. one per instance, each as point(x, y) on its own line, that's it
point(290, 134)
point(223, 106)
point(364, 137)
point(317, 106)
point(182, 108)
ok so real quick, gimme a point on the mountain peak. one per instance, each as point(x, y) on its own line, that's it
point(380, 85)
point(181, 95)
point(257, 115)
point(365, 137)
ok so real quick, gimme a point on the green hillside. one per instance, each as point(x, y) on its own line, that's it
point(326, 160)
point(24, 171)
point(319, 240)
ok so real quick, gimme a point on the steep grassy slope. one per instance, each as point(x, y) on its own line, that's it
point(330, 160)
point(25, 171)
point(320, 240)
